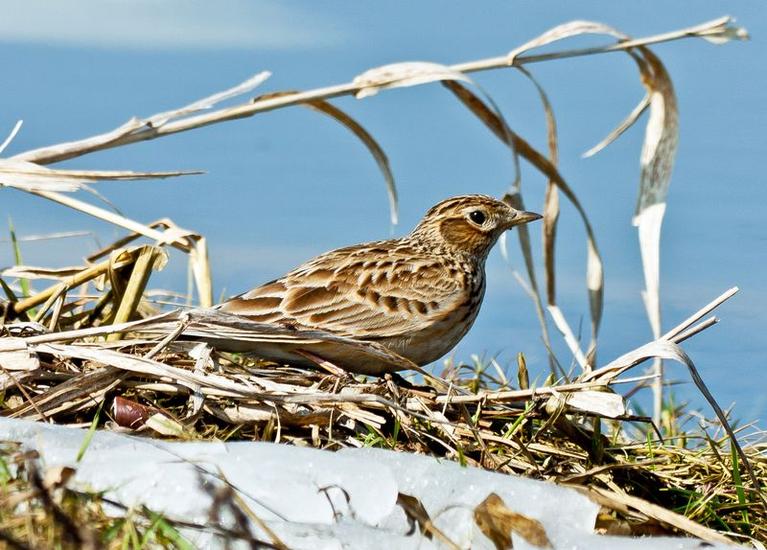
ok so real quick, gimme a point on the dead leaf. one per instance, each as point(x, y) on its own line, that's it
point(497, 522)
point(416, 513)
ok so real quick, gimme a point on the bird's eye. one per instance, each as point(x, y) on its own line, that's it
point(478, 217)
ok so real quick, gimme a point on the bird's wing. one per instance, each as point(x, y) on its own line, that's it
point(365, 291)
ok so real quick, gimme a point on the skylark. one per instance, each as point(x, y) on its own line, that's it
point(417, 295)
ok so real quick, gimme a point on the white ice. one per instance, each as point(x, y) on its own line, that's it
point(317, 499)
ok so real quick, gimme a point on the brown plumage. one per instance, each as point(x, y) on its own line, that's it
point(417, 295)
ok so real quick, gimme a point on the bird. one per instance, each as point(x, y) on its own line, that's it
point(417, 295)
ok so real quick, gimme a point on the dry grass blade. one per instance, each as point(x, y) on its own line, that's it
point(193, 244)
point(702, 312)
point(160, 119)
point(34, 272)
point(400, 75)
point(200, 264)
point(550, 217)
point(674, 336)
point(52, 236)
point(657, 159)
point(594, 273)
point(627, 123)
point(115, 219)
point(512, 396)
point(614, 500)
point(28, 176)
point(561, 32)
point(141, 365)
point(515, 201)
point(372, 145)
point(364, 136)
point(551, 200)
point(56, 297)
point(165, 231)
point(149, 258)
point(147, 128)
point(7, 141)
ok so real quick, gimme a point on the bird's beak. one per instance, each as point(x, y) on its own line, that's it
point(519, 217)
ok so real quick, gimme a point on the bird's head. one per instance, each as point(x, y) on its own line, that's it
point(469, 224)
